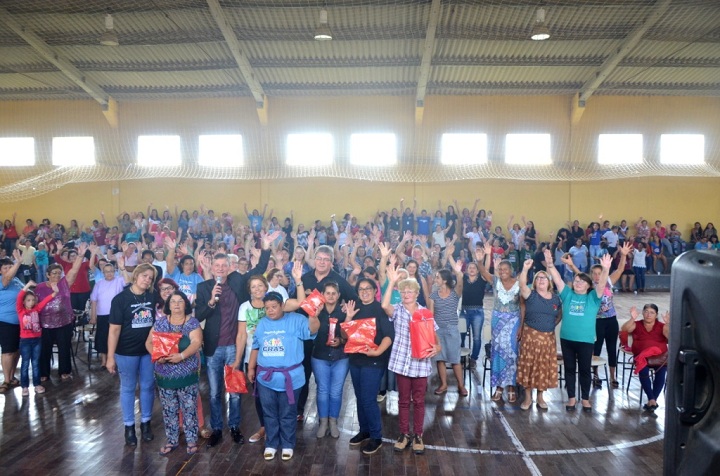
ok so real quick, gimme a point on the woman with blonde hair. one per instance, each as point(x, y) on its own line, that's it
point(537, 364)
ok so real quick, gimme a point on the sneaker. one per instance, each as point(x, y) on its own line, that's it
point(402, 443)
point(25, 391)
point(418, 446)
point(372, 447)
point(393, 403)
point(257, 436)
point(359, 439)
point(381, 396)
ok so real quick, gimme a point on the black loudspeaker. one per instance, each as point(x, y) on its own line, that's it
point(692, 417)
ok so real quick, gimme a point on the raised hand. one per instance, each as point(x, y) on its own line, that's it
point(479, 254)
point(350, 310)
point(392, 274)
point(170, 243)
point(634, 313)
point(606, 261)
point(666, 317)
point(384, 250)
point(626, 248)
point(297, 271)
point(458, 267)
point(527, 264)
point(548, 258)
point(487, 247)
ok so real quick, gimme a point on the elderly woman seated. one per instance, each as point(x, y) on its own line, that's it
point(649, 348)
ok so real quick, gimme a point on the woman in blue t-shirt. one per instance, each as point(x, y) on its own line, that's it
point(276, 359)
point(580, 305)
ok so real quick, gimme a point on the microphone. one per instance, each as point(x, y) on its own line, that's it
point(218, 280)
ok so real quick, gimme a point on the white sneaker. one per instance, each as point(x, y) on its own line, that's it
point(392, 405)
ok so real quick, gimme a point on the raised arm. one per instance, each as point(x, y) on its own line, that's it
point(605, 262)
point(624, 251)
point(483, 256)
point(8, 275)
point(631, 324)
point(393, 277)
point(522, 279)
point(559, 284)
point(170, 262)
point(72, 274)
point(666, 328)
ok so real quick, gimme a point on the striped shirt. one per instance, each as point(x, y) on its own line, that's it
point(446, 309)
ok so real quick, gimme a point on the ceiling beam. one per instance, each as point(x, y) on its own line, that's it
point(425, 62)
point(60, 62)
point(246, 70)
point(628, 44)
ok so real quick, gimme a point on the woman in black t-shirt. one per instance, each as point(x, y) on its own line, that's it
point(367, 368)
point(132, 315)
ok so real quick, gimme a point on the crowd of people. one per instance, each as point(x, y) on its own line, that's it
point(233, 290)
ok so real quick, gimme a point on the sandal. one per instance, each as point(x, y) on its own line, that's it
point(497, 396)
point(615, 384)
point(14, 382)
point(511, 396)
point(192, 448)
point(463, 392)
point(66, 377)
point(4, 387)
point(440, 390)
point(167, 449)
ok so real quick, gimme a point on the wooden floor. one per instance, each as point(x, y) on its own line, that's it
point(76, 428)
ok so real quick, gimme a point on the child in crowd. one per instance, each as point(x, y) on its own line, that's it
point(28, 310)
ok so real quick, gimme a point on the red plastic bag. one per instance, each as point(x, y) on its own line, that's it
point(422, 333)
point(164, 344)
point(361, 335)
point(313, 303)
point(235, 380)
point(332, 326)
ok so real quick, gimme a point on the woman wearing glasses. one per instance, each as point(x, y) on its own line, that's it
point(367, 368)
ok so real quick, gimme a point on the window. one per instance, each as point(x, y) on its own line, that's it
point(158, 151)
point(682, 149)
point(463, 149)
point(221, 150)
point(310, 150)
point(373, 149)
point(73, 151)
point(528, 149)
point(620, 149)
point(17, 151)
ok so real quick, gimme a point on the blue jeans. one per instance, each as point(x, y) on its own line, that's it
point(639, 277)
point(41, 273)
point(330, 378)
point(30, 353)
point(224, 355)
point(475, 319)
point(388, 382)
point(654, 389)
point(366, 382)
point(280, 417)
point(133, 368)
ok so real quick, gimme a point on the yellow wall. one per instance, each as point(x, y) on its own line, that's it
point(549, 203)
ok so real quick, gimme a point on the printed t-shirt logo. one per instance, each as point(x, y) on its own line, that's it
point(273, 346)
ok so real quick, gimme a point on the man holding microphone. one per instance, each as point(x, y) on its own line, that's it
point(218, 302)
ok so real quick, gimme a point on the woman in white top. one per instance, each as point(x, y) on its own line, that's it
point(274, 276)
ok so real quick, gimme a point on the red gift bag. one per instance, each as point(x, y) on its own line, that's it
point(361, 335)
point(235, 380)
point(164, 344)
point(313, 303)
point(422, 333)
point(332, 326)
